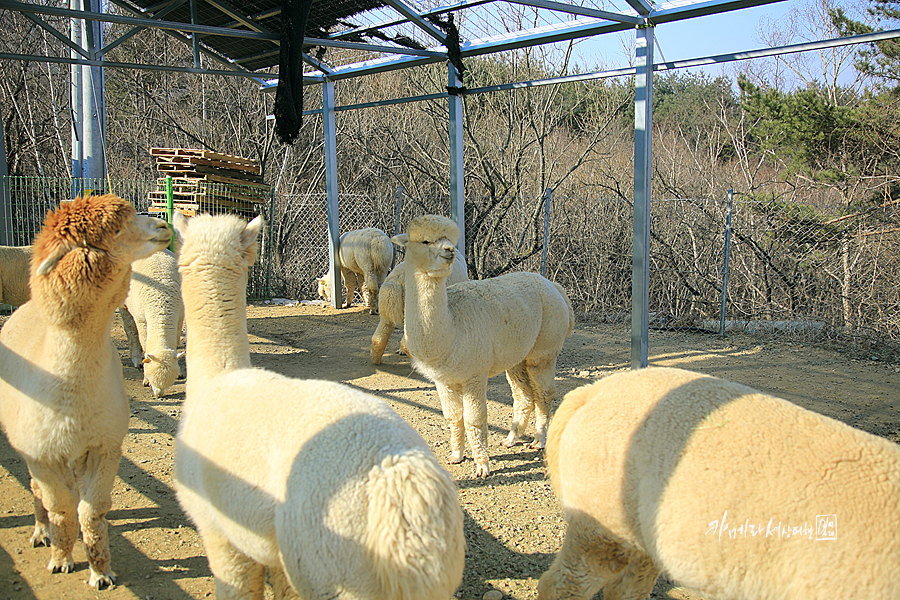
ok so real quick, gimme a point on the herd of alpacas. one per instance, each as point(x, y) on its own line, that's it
point(330, 494)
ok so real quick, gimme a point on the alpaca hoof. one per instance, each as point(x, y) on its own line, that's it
point(454, 458)
point(67, 566)
point(40, 537)
point(536, 445)
point(482, 470)
point(510, 440)
point(101, 581)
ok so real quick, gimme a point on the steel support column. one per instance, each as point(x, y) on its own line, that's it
point(640, 245)
point(457, 184)
point(5, 198)
point(331, 194)
point(93, 103)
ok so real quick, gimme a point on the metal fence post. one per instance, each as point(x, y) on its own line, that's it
point(546, 232)
point(725, 266)
point(398, 207)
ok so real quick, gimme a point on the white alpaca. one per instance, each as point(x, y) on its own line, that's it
point(321, 484)
point(461, 336)
point(153, 317)
point(365, 256)
point(62, 397)
point(391, 298)
point(732, 493)
point(15, 269)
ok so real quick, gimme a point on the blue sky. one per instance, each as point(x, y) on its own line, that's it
point(702, 36)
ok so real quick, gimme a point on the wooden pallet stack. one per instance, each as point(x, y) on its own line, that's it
point(205, 181)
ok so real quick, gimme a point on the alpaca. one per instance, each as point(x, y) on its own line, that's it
point(733, 493)
point(153, 317)
point(63, 404)
point(15, 268)
point(391, 298)
point(327, 487)
point(365, 256)
point(460, 336)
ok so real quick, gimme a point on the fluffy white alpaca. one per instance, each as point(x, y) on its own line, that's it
point(62, 397)
point(321, 484)
point(153, 317)
point(365, 256)
point(731, 492)
point(460, 336)
point(391, 299)
point(15, 269)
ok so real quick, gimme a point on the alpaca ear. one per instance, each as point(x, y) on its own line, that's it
point(249, 237)
point(401, 239)
point(180, 223)
point(51, 261)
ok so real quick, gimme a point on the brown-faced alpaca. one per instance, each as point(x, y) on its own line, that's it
point(460, 336)
point(63, 404)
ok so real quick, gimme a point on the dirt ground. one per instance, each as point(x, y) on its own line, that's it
point(513, 523)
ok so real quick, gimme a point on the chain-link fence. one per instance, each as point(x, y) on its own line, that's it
point(804, 270)
point(807, 270)
point(32, 197)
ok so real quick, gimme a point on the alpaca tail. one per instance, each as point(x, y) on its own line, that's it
point(570, 404)
point(415, 528)
point(562, 291)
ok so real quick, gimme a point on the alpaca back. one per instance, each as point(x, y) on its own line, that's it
point(723, 486)
point(327, 481)
point(367, 250)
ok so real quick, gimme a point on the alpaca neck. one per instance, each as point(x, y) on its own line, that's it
point(427, 316)
point(215, 313)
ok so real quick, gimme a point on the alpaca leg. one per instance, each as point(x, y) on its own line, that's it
point(371, 287)
point(58, 497)
point(474, 400)
point(135, 350)
point(95, 473)
point(380, 340)
point(349, 278)
point(636, 581)
point(452, 407)
point(281, 587)
point(41, 535)
point(584, 565)
point(522, 402)
point(238, 577)
point(543, 384)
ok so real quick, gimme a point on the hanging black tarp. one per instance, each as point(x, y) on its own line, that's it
point(289, 94)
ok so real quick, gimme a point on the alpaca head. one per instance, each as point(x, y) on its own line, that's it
point(91, 242)
point(161, 370)
point(430, 243)
point(217, 248)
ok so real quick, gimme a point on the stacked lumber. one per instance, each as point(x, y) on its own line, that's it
point(206, 181)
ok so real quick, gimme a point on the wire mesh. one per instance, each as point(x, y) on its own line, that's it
point(804, 270)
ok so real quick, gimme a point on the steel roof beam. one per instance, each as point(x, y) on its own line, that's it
point(642, 7)
point(580, 10)
point(701, 10)
point(57, 34)
point(121, 65)
point(417, 19)
point(371, 47)
point(137, 21)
